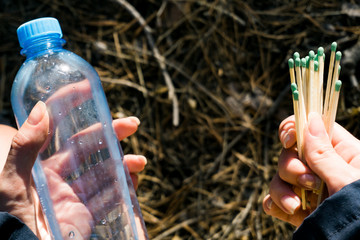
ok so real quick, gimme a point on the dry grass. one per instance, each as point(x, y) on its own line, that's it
point(209, 82)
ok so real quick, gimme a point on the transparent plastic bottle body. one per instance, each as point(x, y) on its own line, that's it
point(84, 189)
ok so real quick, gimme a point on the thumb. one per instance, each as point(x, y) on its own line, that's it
point(15, 180)
point(322, 158)
point(28, 141)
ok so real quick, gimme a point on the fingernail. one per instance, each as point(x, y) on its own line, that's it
point(316, 125)
point(269, 203)
point(309, 181)
point(136, 120)
point(37, 113)
point(289, 140)
point(144, 159)
point(290, 203)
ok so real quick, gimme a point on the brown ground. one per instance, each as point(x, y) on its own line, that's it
point(220, 68)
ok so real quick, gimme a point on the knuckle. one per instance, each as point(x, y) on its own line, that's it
point(322, 152)
point(19, 141)
point(21, 144)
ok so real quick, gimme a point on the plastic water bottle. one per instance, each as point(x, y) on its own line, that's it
point(83, 187)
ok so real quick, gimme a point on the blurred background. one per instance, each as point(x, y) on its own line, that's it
point(209, 81)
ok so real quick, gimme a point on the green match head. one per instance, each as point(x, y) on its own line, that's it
point(320, 51)
point(297, 62)
point(338, 56)
point(293, 87)
point(311, 55)
point(338, 85)
point(333, 46)
point(296, 55)
point(316, 66)
point(339, 70)
point(307, 58)
point(291, 63)
point(316, 57)
point(296, 95)
point(303, 62)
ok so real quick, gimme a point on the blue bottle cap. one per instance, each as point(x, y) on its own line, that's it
point(38, 28)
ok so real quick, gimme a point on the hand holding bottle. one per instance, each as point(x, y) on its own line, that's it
point(17, 193)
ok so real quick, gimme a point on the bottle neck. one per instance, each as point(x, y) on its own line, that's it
point(43, 44)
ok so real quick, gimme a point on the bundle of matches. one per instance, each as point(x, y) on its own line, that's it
point(307, 81)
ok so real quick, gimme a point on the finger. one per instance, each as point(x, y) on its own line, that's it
point(272, 209)
point(93, 180)
point(135, 163)
point(287, 132)
point(88, 145)
point(15, 180)
point(90, 140)
point(71, 95)
point(323, 159)
point(135, 180)
point(28, 141)
point(125, 127)
point(77, 93)
point(295, 172)
point(92, 183)
point(109, 199)
point(283, 195)
point(93, 136)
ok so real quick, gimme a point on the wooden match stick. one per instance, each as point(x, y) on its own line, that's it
point(334, 100)
point(304, 80)
point(299, 141)
point(321, 61)
point(330, 74)
point(297, 122)
point(299, 83)
point(336, 74)
point(312, 87)
point(316, 86)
